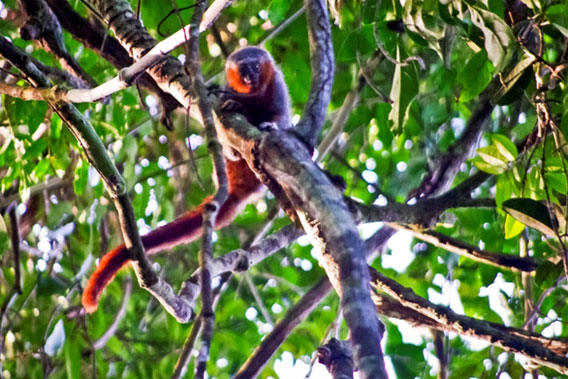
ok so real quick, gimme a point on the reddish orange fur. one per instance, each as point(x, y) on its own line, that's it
point(267, 72)
point(267, 102)
point(243, 185)
point(235, 81)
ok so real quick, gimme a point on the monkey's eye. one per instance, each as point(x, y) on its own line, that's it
point(257, 66)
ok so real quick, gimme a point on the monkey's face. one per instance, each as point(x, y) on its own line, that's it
point(250, 72)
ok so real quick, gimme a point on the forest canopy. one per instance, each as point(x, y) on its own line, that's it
point(427, 140)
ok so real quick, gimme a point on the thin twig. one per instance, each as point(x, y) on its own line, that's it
point(109, 333)
point(280, 27)
point(212, 208)
point(258, 299)
point(15, 239)
point(502, 260)
point(185, 356)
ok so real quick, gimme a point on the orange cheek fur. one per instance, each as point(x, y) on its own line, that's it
point(235, 82)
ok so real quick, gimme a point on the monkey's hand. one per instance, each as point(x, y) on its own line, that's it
point(214, 89)
point(231, 105)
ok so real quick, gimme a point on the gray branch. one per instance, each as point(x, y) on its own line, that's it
point(321, 209)
point(323, 66)
point(510, 339)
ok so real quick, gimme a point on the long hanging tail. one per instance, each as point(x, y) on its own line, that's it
point(243, 185)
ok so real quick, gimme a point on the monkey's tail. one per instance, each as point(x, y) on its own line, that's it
point(182, 230)
point(187, 227)
point(109, 265)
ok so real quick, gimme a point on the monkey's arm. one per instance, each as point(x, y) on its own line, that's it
point(243, 186)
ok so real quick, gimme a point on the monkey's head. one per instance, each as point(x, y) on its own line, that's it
point(249, 70)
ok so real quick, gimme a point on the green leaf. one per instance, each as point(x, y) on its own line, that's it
point(492, 156)
point(25, 114)
point(474, 76)
point(404, 89)
point(554, 164)
point(557, 181)
point(363, 41)
point(498, 37)
point(277, 10)
point(532, 213)
point(487, 167)
point(129, 148)
point(55, 127)
point(36, 149)
point(382, 117)
point(497, 7)
point(504, 188)
point(558, 16)
point(3, 228)
point(72, 354)
point(60, 162)
point(547, 273)
point(416, 15)
point(42, 168)
point(513, 85)
point(81, 178)
point(417, 38)
point(505, 146)
point(512, 227)
point(57, 212)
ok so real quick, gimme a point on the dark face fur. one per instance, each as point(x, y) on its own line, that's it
point(250, 72)
point(247, 69)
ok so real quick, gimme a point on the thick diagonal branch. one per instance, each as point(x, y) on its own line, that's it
point(320, 208)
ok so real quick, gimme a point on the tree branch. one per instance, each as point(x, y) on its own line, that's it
point(92, 35)
point(445, 168)
point(319, 206)
point(323, 66)
point(241, 260)
point(128, 30)
point(295, 315)
point(96, 153)
point(515, 341)
point(506, 261)
point(212, 208)
point(43, 25)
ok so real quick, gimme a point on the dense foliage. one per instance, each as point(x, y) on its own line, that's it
point(420, 70)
